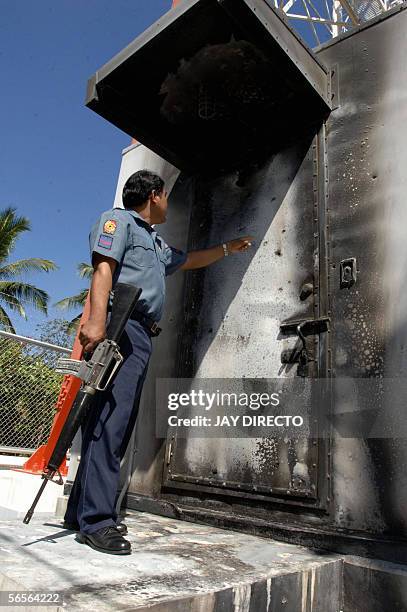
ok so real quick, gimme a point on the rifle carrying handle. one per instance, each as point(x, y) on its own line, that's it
point(124, 300)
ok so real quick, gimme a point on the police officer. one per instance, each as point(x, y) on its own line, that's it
point(125, 248)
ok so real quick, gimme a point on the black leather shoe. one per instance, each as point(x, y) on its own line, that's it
point(107, 540)
point(121, 527)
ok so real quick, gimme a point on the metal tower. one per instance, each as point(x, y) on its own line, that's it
point(321, 20)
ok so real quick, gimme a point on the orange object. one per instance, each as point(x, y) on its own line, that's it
point(69, 388)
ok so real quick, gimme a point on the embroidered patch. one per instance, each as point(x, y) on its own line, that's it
point(110, 226)
point(105, 241)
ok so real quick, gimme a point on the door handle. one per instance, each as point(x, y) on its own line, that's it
point(301, 327)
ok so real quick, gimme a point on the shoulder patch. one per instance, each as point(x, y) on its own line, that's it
point(105, 241)
point(110, 226)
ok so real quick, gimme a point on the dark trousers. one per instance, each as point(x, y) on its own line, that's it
point(105, 436)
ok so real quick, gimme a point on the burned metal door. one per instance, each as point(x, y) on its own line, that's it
point(228, 85)
point(234, 318)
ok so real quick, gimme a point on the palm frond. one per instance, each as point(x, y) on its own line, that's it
point(23, 294)
point(75, 301)
point(85, 270)
point(34, 264)
point(12, 302)
point(11, 226)
point(73, 325)
point(5, 321)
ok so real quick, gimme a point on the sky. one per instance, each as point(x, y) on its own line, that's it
point(59, 161)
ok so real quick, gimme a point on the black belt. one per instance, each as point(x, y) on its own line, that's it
point(149, 324)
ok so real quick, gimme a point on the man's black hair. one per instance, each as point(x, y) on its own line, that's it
point(139, 187)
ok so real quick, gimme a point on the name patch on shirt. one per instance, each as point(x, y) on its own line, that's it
point(105, 241)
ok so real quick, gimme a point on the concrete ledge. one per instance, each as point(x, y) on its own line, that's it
point(176, 566)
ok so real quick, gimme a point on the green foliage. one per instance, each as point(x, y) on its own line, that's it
point(55, 331)
point(14, 293)
point(77, 301)
point(29, 389)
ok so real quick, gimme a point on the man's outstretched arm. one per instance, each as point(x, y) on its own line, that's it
point(205, 257)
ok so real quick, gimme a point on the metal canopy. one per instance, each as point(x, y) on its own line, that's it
point(213, 84)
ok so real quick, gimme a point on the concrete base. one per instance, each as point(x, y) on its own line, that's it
point(175, 566)
point(18, 490)
point(178, 566)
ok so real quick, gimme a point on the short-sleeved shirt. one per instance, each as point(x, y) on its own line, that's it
point(143, 257)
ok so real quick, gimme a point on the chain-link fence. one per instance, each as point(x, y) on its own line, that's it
point(29, 388)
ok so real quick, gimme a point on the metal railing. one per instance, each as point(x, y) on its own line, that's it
point(29, 388)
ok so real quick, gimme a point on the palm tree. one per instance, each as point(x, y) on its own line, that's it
point(15, 294)
point(77, 301)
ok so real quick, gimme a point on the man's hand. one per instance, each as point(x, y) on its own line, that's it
point(239, 245)
point(91, 333)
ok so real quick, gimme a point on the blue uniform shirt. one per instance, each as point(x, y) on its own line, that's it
point(143, 258)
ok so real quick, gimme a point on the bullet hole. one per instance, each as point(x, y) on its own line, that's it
point(374, 176)
point(280, 288)
point(273, 199)
point(278, 252)
point(283, 231)
point(210, 330)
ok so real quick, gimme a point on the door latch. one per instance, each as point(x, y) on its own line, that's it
point(303, 327)
point(348, 272)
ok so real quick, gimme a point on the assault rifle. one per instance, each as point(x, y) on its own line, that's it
point(96, 374)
